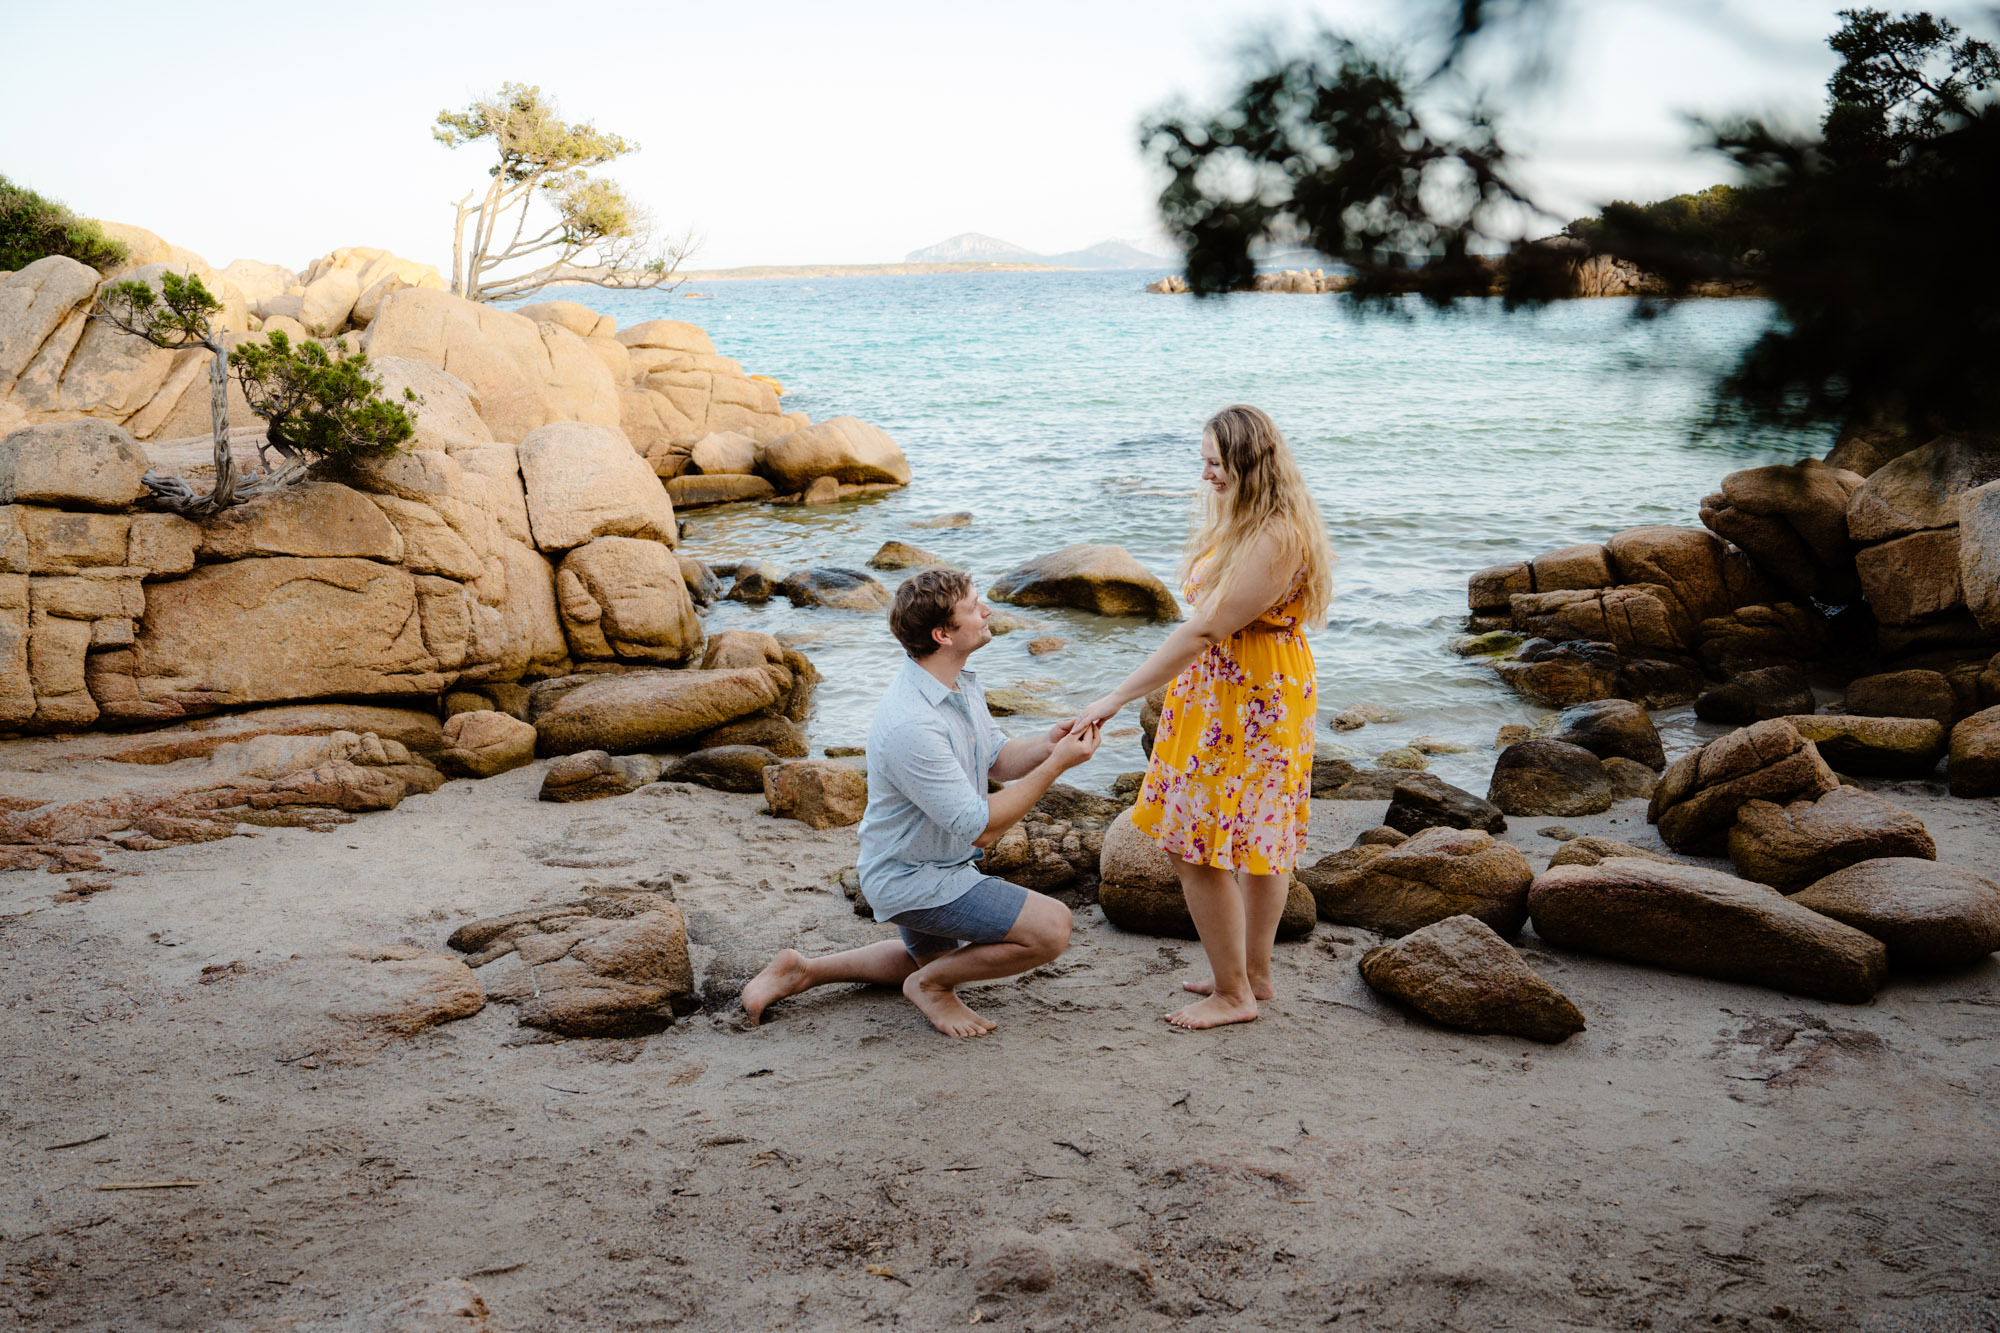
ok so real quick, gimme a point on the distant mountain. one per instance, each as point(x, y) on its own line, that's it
point(972, 247)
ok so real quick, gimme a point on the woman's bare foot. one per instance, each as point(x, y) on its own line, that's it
point(784, 975)
point(1206, 986)
point(947, 1013)
point(1213, 1012)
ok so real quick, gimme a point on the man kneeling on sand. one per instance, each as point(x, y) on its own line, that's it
point(930, 752)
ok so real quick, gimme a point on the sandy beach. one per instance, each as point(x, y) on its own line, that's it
point(1705, 1154)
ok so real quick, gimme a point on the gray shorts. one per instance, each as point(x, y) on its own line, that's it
point(983, 914)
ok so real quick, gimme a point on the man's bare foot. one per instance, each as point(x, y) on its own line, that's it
point(784, 975)
point(1206, 986)
point(947, 1013)
point(1213, 1012)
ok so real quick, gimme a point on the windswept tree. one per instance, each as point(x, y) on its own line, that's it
point(1873, 238)
point(319, 404)
point(543, 217)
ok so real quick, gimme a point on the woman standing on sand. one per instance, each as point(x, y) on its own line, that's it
point(1227, 792)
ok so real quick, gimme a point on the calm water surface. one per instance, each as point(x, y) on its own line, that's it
point(1063, 408)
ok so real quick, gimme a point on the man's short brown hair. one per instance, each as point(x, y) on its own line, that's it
point(924, 603)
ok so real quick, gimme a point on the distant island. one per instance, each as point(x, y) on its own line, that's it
point(973, 247)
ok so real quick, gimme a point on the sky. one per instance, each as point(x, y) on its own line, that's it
point(790, 133)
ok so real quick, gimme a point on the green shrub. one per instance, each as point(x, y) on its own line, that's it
point(320, 404)
point(33, 227)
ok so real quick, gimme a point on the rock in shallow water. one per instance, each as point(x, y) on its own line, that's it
point(1425, 800)
point(1702, 921)
point(1611, 728)
point(1540, 777)
point(1460, 974)
point(1103, 579)
point(843, 589)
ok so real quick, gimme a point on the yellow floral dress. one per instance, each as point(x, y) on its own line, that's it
point(1230, 782)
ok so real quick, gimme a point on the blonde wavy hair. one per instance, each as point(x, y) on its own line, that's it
point(1264, 490)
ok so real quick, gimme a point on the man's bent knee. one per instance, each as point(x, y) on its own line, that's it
point(1044, 926)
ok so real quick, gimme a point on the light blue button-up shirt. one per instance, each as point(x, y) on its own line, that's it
point(929, 750)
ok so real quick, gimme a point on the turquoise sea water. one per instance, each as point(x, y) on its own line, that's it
point(1064, 408)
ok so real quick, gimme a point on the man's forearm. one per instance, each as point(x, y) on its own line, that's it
point(1019, 757)
point(1006, 807)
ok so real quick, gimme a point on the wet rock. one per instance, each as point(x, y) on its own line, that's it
point(1426, 801)
point(1355, 716)
point(1006, 622)
point(640, 710)
point(1756, 696)
point(844, 448)
point(1359, 784)
point(1700, 793)
point(843, 589)
point(1140, 891)
point(1538, 777)
point(1643, 617)
point(703, 587)
point(738, 768)
point(1403, 757)
point(1045, 645)
point(612, 965)
point(1791, 846)
point(1589, 851)
point(594, 774)
point(756, 582)
point(902, 555)
point(1492, 643)
point(1460, 974)
point(959, 519)
point(781, 736)
point(1690, 919)
point(1888, 747)
point(1438, 873)
point(700, 490)
point(1103, 579)
point(821, 793)
point(1629, 780)
point(1570, 673)
point(1901, 694)
point(1973, 767)
point(1511, 732)
point(479, 744)
point(1611, 727)
point(1011, 703)
point(1930, 916)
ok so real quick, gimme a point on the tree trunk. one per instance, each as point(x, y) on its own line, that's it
point(218, 410)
